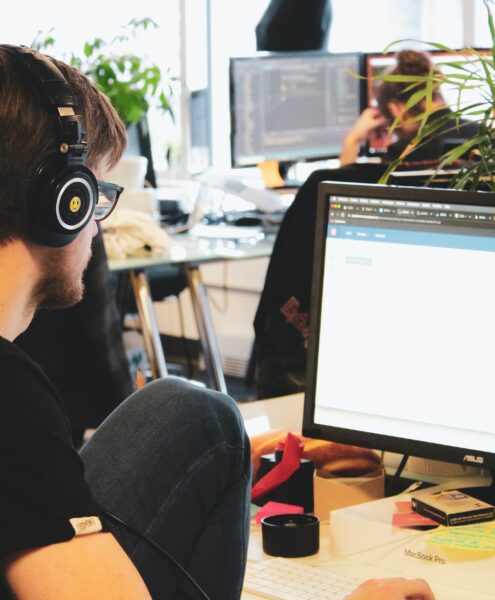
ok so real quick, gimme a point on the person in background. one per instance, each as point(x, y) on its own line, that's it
point(392, 96)
point(281, 323)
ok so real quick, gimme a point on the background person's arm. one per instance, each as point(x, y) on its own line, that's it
point(371, 119)
point(93, 566)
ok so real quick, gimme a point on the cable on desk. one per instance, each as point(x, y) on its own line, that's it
point(395, 477)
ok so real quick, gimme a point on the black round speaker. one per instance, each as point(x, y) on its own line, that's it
point(290, 535)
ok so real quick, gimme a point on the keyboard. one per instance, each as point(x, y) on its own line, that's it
point(289, 579)
point(285, 579)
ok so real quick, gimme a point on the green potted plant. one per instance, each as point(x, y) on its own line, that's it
point(130, 81)
point(473, 72)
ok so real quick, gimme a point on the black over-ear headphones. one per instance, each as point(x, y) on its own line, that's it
point(62, 193)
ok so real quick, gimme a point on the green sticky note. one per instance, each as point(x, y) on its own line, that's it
point(480, 536)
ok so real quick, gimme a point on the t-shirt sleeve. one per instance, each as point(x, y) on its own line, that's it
point(42, 485)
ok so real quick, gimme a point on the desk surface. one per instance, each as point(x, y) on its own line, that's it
point(286, 412)
point(190, 250)
point(324, 556)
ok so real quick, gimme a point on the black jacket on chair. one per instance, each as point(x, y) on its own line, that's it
point(281, 321)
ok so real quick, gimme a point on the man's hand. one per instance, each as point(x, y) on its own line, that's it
point(370, 121)
point(393, 589)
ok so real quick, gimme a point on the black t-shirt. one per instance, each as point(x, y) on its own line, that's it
point(42, 482)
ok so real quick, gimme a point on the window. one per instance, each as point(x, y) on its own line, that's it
point(72, 28)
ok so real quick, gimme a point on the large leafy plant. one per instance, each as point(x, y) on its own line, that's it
point(130, 81)
point(473, 75)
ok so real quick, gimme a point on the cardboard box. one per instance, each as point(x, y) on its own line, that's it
point(332, 492)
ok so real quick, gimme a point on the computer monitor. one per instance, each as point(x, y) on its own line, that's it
point(402, 329)
point(377, 64)
point(293, 106)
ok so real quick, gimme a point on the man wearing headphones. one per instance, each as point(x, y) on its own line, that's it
point(172, 461)
point(168, 471)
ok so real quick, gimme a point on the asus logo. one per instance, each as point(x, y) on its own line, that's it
point(479, 460)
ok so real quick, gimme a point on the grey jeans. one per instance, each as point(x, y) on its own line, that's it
point(173, 461)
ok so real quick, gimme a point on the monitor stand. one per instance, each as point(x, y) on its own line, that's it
point(474, 481)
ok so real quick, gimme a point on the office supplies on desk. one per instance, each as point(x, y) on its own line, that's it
point(277, 508)
point(451, 507)
point(474, 538)
point(364, 534)
point(290, 535)
point(333, 491)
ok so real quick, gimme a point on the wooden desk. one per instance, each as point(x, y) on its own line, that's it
point(191, 252)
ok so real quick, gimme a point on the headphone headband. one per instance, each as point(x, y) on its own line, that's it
point(58, 98)
point(63, 192)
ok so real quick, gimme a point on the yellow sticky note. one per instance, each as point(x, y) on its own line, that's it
point(271, 174)
point(480, 536)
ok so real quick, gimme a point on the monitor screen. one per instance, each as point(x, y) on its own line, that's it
point(292, 106)
point(376, 64)
point(402, 329)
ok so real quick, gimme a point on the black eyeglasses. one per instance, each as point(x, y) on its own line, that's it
point(108, 194)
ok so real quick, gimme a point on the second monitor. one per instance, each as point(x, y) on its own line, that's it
point(292, 106)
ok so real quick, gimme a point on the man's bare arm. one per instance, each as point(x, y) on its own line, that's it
point(93, 566)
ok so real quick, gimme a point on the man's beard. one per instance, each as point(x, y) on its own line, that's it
point(58, 292)
point(59, 286)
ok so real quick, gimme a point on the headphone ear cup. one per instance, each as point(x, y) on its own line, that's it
point(61, 202)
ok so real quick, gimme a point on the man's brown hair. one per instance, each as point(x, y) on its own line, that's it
point(409, 62)
point(26, 131)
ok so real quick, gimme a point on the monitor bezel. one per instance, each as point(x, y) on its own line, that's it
point(284, 55)
point(388, 443)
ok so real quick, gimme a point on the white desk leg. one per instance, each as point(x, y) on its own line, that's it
point(206, 328)
point(149, 325)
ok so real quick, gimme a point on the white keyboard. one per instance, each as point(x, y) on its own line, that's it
point(285, 579)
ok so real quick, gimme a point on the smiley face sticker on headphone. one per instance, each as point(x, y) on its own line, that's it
point(63, 191)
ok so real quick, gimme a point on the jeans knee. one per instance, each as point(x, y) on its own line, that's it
point(194, 410)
